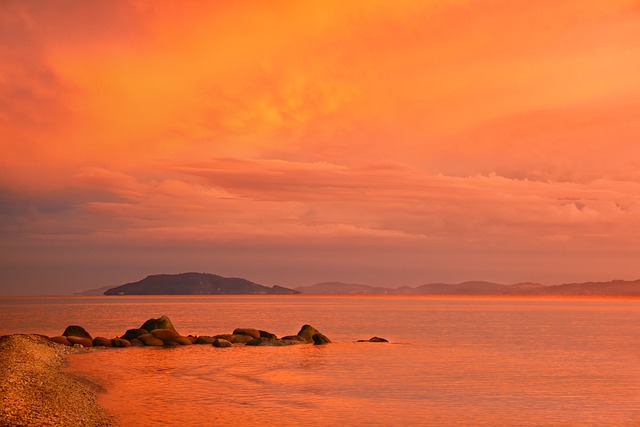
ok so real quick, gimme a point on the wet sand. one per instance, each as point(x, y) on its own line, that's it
point(34, 390)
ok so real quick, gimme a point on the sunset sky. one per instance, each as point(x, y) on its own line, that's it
point(292, 142)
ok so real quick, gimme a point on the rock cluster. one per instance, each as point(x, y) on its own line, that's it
point(160, 332)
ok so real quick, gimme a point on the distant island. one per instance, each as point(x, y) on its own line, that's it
point(195, 284)
point(212, 284)
point(611, 288)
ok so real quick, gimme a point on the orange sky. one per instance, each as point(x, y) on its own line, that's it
point(292, 142)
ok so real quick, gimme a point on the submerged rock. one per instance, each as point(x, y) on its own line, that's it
point(377, 339)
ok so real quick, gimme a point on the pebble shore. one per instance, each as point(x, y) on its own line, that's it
point(34, 391)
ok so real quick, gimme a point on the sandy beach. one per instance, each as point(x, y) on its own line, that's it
point(34, 391)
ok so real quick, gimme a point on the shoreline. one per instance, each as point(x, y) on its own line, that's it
point(35, 391)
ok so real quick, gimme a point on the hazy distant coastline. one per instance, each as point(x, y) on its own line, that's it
point(211, 284)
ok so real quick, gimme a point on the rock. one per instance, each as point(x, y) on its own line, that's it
point(183, 341)
point(265, 334)
point(192, 339)
point(253, 333)
point(221, 343)
point(76, 331)
point(61, 340)
point(149, 339)
point(281, 342)
point(136, 343)
point(120, 342)
point(259, 341)
point(319, 339)
point(205, 339)
point(235, 339)
point(307, 332)
point(102, 342)
point(85, 342)
point(165, 334)
point(134, 333)
point(294, 338)
point(162, 322)
point(374, 339)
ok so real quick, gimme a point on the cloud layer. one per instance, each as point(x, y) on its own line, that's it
point(293, 142)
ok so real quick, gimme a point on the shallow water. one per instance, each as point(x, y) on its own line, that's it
point(451, 361)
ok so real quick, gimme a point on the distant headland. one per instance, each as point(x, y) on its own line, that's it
point(212, 284)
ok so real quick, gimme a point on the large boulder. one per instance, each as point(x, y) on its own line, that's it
point(134, 333)
point(253, 333)
point(162, 322)
point(136, 343)
point(76, 331)
point(307, 332)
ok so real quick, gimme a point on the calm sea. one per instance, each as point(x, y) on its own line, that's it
point(451, 361)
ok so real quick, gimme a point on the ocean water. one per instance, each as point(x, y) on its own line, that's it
point(451, 361)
